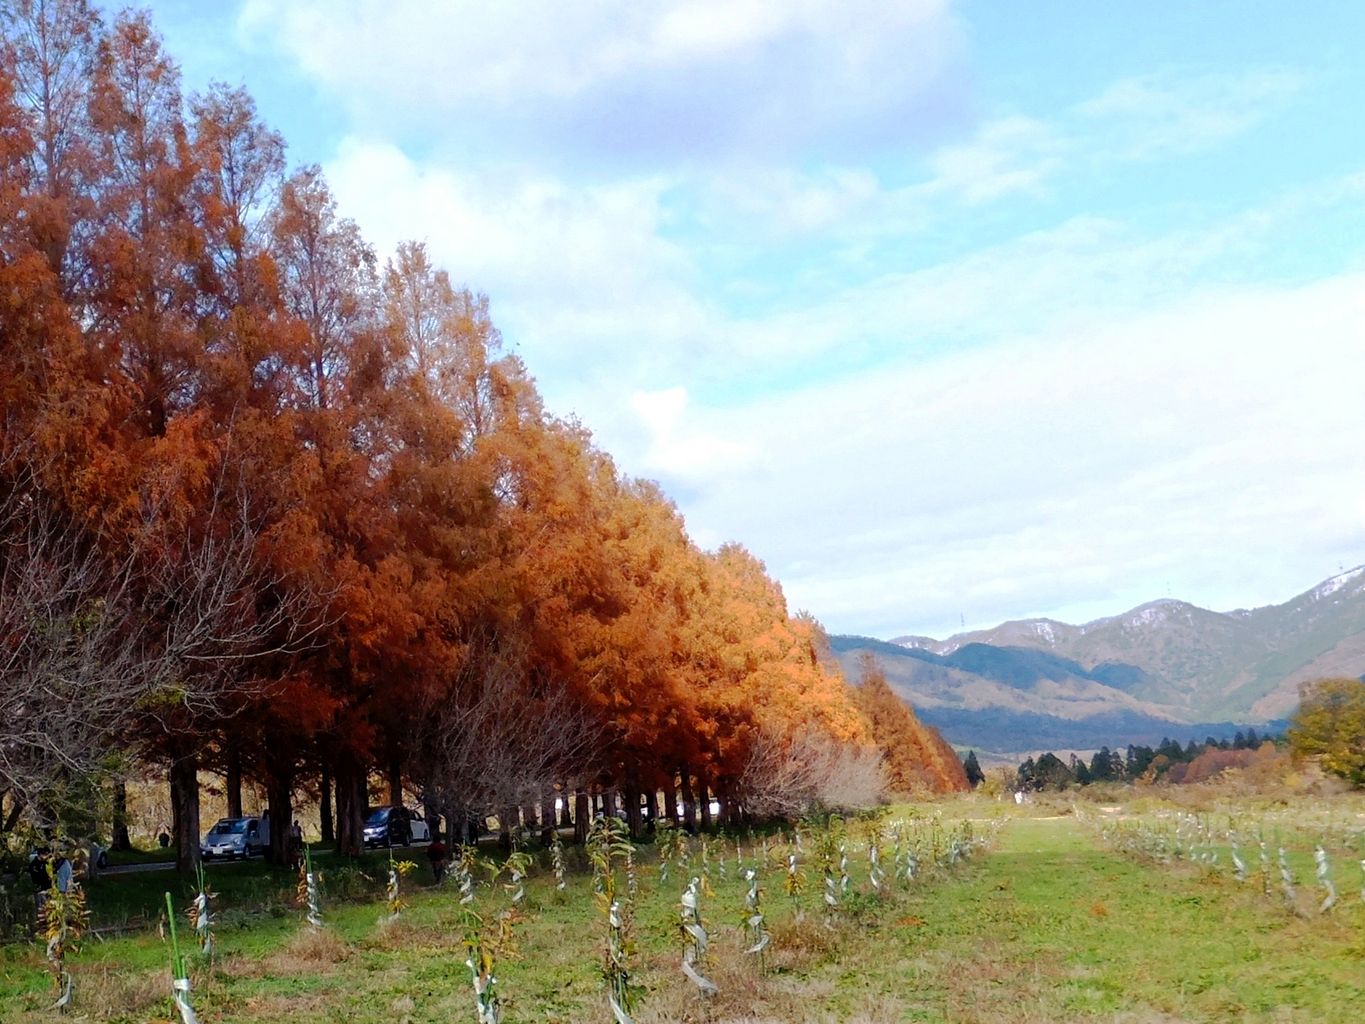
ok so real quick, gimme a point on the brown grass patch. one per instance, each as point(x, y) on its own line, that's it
point(309, 951)
point(317, 945)
point(285, 1007)
point(403, 935)
point(807, 936)
point(993, 988)
point(750, 994)
point(112, 991)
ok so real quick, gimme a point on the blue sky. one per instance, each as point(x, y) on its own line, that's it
point(952, 313)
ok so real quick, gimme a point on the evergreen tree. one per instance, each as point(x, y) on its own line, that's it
point(1052, 773)
point(1138, 760)
point(1115, 766)
point(1080, 771)
point(975, 776)
point(1101, 766)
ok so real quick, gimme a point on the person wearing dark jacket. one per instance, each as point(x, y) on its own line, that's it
point(439, 856)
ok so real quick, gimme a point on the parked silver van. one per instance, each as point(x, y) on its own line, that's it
point(233, 838)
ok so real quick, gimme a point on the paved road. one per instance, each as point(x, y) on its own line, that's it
point(169, 865)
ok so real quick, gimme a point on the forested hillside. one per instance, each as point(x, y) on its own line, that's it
point(1166, 668)
point(1194, 663)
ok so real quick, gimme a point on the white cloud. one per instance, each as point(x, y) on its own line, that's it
point(622, 78)
point(1013, 154)
point(1058, 419)
point(781, 201)
point(1058, 447)
point(676, 449)
point(1155, 115)
point(1212, 442)
point(580, 277)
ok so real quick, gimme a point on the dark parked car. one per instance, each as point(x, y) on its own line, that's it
point(395, 826)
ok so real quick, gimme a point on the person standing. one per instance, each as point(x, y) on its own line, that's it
point(38, 874)
point(47, 873)
point(295, 845)
point(61, 874)
point(439, 856)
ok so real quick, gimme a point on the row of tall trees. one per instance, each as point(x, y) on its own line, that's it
point(1167, 762)
point(275, 508)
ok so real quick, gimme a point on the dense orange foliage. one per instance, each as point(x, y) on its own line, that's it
point(1212, 762)
point(192, 339)
point(917, 757)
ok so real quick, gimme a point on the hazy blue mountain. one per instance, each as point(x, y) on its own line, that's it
point(1166, 665)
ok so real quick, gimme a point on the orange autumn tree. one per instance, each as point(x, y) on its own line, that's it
point(199, 354)
point(786, 724)
point(918, 759)
point(137, 457)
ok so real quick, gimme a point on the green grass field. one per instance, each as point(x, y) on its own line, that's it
point(1048, 925)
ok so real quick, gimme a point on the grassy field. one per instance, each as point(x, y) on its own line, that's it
point(1051, 924)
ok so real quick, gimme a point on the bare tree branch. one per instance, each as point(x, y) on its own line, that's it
point(489, 743)
point(787, 777)
point(91, 639)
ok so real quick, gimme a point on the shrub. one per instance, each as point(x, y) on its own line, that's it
point(810, 772)
point(1330, 725)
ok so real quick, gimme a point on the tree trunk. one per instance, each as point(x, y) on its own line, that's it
point(581, 814)
point(233, 783)
point(632, 798)
point(651, 807)
point(12, 819)
point(547, 817)
point(704, 798)
point(689, 801)
point(352, 797)
point(468, 825)
point(120, 839)
point(185, 811)
point(671, 799)
point(281, 816)
point(395, 781)
point(733, 808)
point(565, 815)
point(325, 807)
point(360, 804)
point(509, 821)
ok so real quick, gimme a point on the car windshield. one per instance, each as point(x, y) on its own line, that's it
point(378, 817)
point(230, 827)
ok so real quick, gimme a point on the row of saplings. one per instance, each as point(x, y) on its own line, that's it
point(1192, 838)
point(887, 855)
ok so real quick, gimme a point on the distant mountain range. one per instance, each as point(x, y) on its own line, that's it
point(1165, 668)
